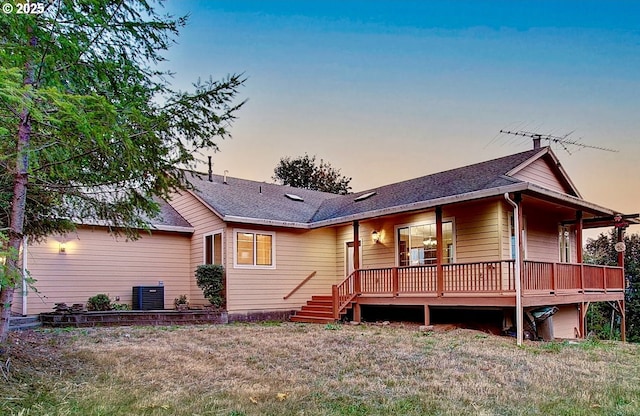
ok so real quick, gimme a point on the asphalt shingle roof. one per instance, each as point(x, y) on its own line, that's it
point(264, 201)
point(251, 199)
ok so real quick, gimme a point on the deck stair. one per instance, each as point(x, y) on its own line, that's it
point(318, 310)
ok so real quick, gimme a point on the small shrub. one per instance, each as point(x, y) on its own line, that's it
point(210, 278)
point(99, 302)
point(181, 302)
point(120, 306)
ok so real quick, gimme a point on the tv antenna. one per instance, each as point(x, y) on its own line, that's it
point(561, 140)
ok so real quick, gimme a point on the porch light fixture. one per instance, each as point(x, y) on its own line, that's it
point(62, 248)
point(375, 236)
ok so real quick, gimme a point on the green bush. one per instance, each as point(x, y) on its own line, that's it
point(210, 278)
point(99, 302)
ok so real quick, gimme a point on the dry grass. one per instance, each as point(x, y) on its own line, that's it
point(293, 369)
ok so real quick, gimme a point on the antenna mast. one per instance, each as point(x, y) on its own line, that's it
point(561, 140)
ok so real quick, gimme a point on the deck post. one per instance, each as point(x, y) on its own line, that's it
point(583, 319)
point(623, 319)
point(357, 312)
point(336, 302)
point(439, 244)
point(427, 315)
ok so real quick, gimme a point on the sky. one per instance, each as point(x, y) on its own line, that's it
point(391, 90)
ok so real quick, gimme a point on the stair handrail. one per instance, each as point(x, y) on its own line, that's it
point(295, 289)
point(338, 305)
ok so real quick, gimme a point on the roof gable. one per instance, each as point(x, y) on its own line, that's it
point(544, 169)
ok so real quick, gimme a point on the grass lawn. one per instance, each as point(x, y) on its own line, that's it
point(298, 369)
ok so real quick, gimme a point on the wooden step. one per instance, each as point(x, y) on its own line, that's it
point(315, 307)
point(312, 320)
point(319, 309)
point(318, 314)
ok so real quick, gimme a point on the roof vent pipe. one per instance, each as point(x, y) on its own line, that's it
point(224, 179)
point(210, 170)
point(536, 142)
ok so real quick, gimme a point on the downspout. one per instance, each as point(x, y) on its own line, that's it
point(24, 277)
point(517, 271)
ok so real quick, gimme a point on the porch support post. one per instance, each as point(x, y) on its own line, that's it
point(356, 255)
point(427, 315)
point(439, 244)
point(620, 232)
point(579, 228)
point(579, 247)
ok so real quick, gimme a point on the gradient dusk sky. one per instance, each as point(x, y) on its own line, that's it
point(391, 90)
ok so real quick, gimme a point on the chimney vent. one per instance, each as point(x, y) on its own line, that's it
point(224, 179)
point(210, 170)
point(536, 142)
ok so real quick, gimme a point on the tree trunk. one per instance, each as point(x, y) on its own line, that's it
point(16, 227)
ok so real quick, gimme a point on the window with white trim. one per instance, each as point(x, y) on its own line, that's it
point(213, 248)
point(564, 237)
point(417, 244)
point(254, 249)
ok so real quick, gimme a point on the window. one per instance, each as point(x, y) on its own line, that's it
point(564, 237)
point(417, 244)
point(213, 248)
point(254, 249)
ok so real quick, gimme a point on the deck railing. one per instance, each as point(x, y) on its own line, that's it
point(490, 277)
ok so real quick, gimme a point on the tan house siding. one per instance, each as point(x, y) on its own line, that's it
point(204, 221)
point(541, 173)
point(542, 237)
point(297, 255)
point(566, 321)
point(476, 231)
point(96, 262)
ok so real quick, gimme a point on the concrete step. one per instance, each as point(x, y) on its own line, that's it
point(24, 322)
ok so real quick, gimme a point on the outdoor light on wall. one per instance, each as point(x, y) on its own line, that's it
point(62, 248)
point(375, 236)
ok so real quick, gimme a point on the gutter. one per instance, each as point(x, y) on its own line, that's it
point(517, 271)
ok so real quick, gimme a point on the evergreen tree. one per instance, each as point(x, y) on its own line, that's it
point(89, 127)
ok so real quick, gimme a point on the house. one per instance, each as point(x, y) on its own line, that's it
point(494, 238)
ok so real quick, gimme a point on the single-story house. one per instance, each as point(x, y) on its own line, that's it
point(501, 236)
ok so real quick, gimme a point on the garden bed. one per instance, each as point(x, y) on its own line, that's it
point(133, 318)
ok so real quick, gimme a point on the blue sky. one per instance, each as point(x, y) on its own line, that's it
point(390, 90)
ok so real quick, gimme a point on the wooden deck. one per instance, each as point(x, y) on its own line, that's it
point(489, 283)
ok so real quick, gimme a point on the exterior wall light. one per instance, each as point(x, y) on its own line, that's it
point(62, 248)
point(375, 236)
